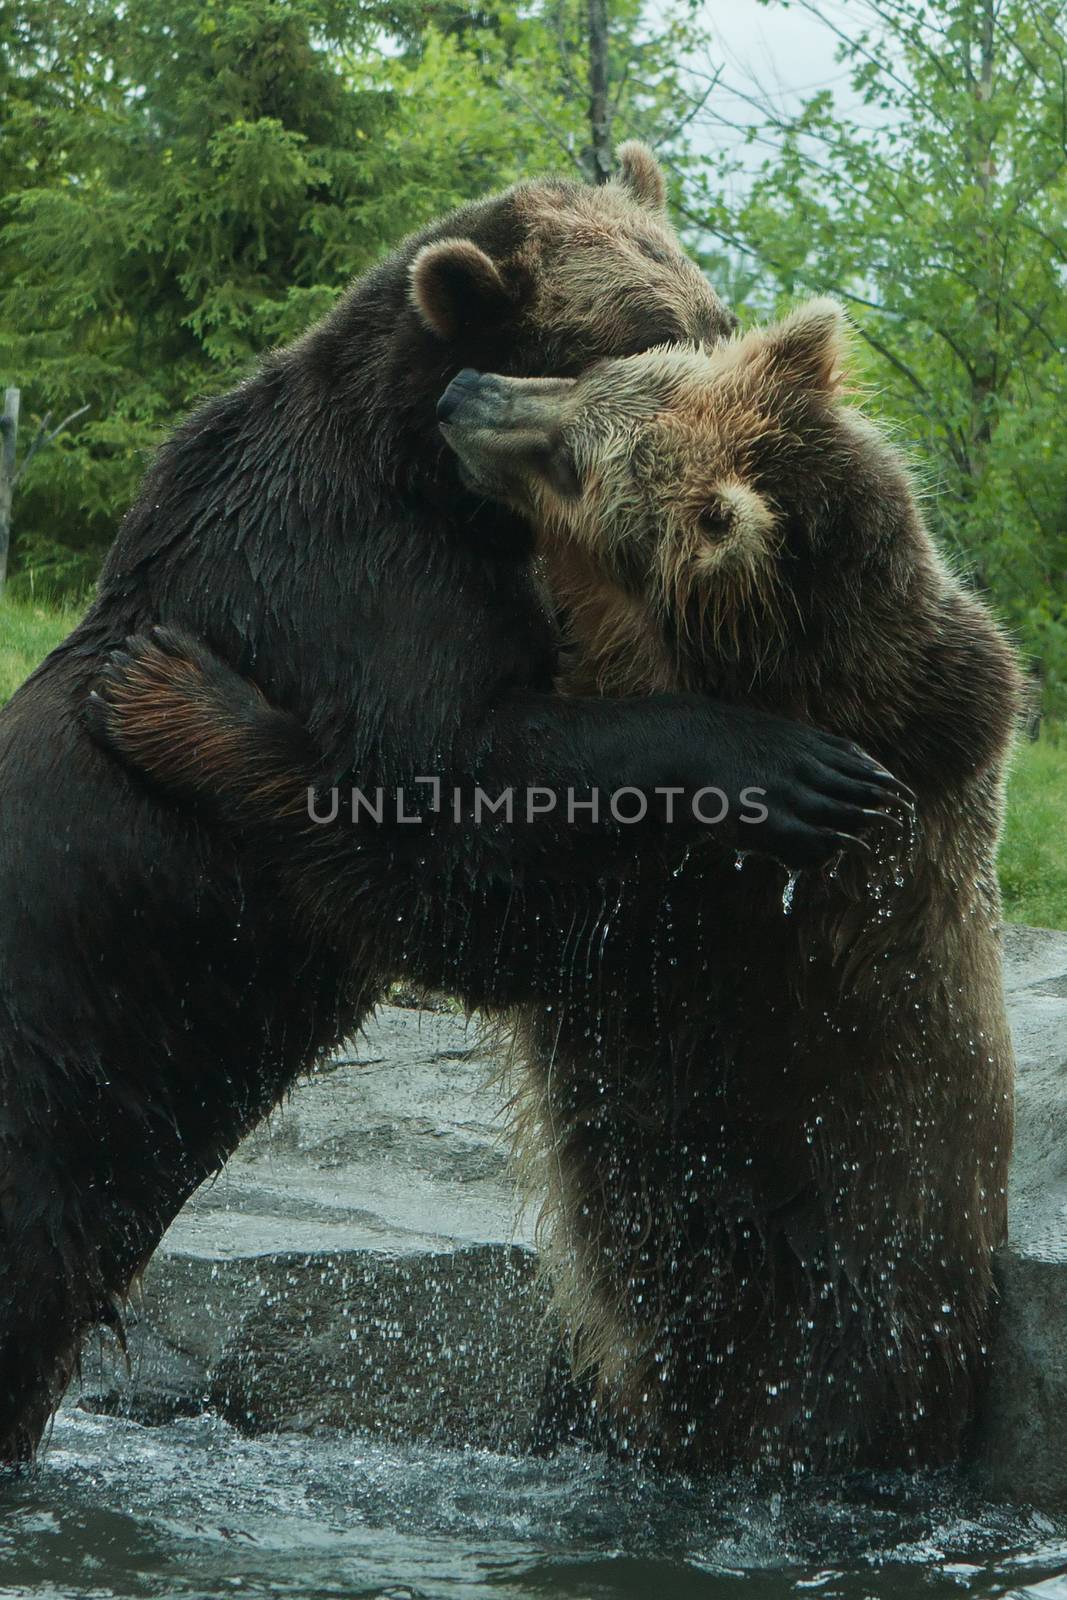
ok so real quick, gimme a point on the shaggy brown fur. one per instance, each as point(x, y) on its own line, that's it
point(775, 1145)
point(299, 524)
point(774, 1197)
point(170, 714)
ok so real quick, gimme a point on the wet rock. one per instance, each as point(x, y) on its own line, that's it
point(1023, 1446)
point(439, 1345)
point(1023, 1451)
point(153, 1381)
point(362, 1261)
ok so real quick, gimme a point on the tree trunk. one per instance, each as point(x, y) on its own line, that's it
point(984, 383)
point(9, 434)
point(599, 105)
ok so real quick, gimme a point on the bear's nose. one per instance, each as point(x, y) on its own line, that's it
point(462, 387)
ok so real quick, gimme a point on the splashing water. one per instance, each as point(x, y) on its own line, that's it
point(789, 892)
point(191, 1509)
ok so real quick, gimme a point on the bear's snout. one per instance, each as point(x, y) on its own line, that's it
point(506, 434)
point(463, 388)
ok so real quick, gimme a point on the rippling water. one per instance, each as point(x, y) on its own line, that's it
point(194, 1509)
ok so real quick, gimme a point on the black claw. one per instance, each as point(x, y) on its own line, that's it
point(885, 816)
point(163, 638)
point(903, 791)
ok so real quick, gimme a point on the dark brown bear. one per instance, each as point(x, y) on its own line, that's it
point(155, 997)
point(773, 1120)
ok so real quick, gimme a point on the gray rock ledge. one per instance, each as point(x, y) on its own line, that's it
point(362, 1261)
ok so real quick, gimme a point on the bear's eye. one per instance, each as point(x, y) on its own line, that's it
point(713, 523)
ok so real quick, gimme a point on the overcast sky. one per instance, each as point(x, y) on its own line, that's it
point(777, 52)
point(784, 48)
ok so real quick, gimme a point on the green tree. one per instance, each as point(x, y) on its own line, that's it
point(197, 158)
point(943, 222)
point(190, 181)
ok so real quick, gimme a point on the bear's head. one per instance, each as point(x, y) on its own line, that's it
point(700, 511)
point(554, 274)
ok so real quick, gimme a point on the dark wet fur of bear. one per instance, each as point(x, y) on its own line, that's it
point(157, 993)
point(155, 997)
point(771, 1243)
point(310, 528)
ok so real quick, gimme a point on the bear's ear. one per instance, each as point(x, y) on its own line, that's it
point(641, 173)
point(453, 284)
point(809, 347)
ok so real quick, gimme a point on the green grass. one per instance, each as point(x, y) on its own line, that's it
point(1033, 858)
point(27, 632)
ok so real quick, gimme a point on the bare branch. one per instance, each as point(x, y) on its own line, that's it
point(553, 132)
point(42, 438)
point(856, 46)
point(694, 110)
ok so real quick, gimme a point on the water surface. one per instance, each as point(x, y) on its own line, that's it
point(191, 1508)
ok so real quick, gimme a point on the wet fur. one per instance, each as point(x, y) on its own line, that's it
point(776, 1185)
point(673, 1074)
point(156, 998)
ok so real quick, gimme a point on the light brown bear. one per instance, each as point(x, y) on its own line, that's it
point(774, 1127)
point(773, 1212)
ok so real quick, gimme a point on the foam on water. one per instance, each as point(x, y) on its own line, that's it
point(193, 1509)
